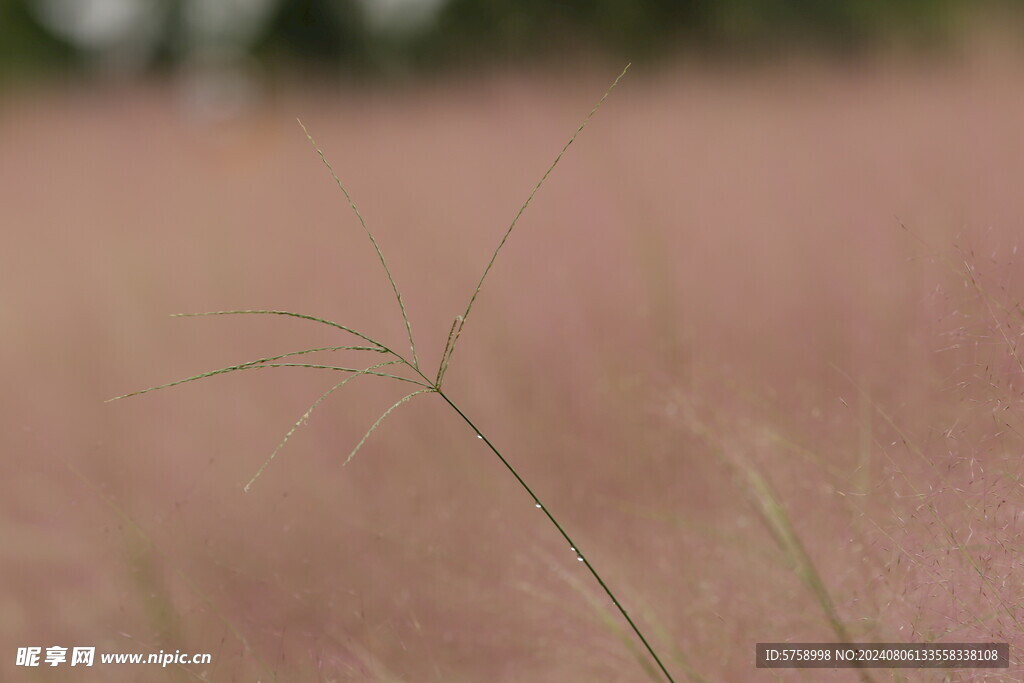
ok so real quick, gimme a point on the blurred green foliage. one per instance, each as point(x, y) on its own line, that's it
point(25, 47)
point(465, 32)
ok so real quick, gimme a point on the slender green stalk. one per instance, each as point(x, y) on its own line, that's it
point(572, 544)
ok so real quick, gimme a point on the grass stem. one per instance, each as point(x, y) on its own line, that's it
point(572, 544)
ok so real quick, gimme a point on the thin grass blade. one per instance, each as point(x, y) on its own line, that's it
point(259, 365)
point(305, 418)
point(293, 315)
point(380, 419)
point(337, 368)
point(380, 254)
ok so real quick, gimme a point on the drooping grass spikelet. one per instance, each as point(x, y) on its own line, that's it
point(380, 254)
point(290, 314)
point(260, 366)
point(243, 366)
point(305, 418)
point(380, 419)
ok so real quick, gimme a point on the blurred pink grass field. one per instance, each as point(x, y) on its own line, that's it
point(716, 273)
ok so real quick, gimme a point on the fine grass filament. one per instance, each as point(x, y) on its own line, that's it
point(309, 411)
point(373, 240)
